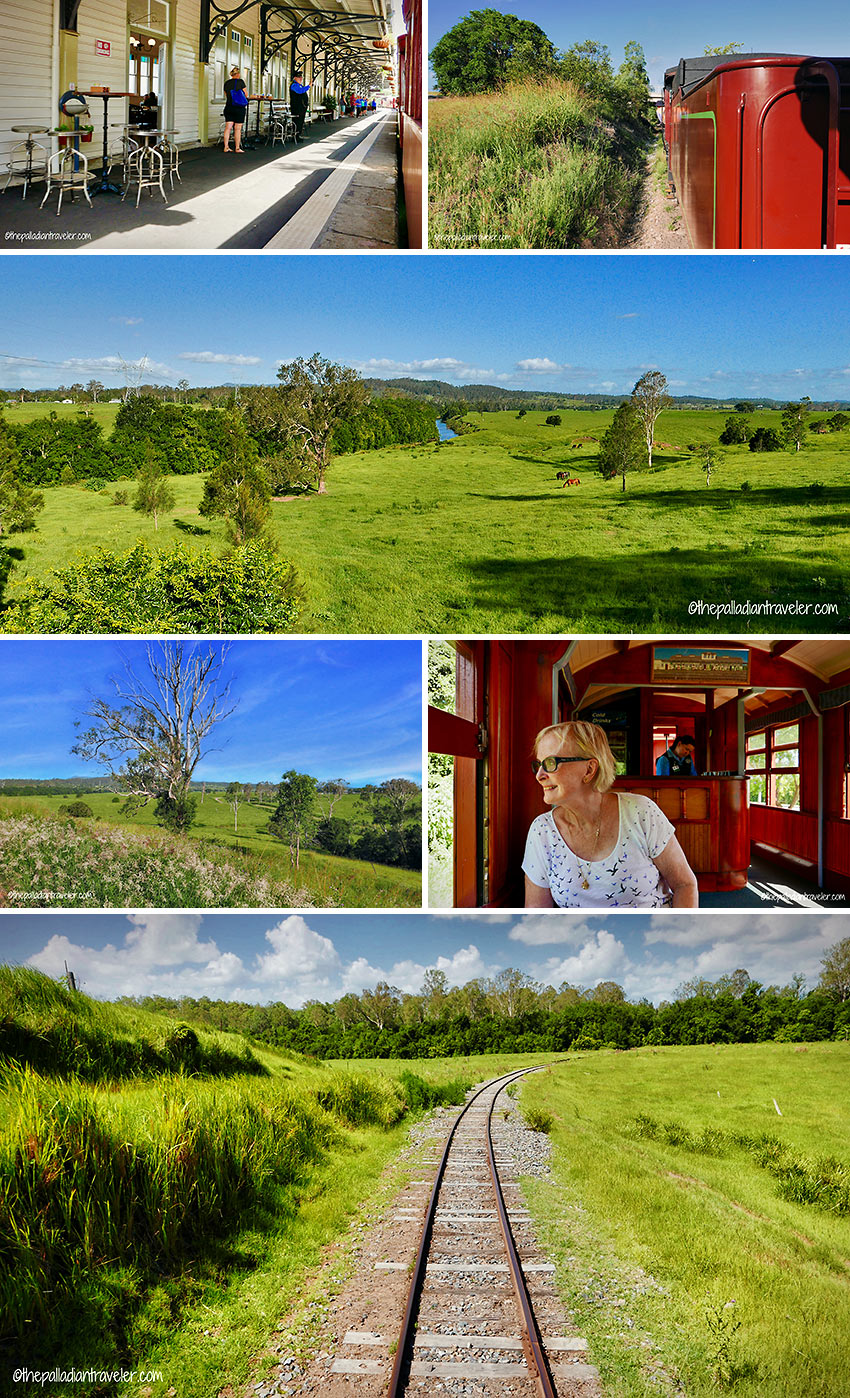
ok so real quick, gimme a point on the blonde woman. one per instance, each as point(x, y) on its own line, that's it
point(235, 108)
point(594, 847)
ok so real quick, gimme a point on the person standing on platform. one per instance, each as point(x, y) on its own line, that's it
point(235, 109)
point(678, 760)
point(299, 101)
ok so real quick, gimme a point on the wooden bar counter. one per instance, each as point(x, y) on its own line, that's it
point(712, 821)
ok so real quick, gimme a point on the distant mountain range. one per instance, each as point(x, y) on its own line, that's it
point(487, 396)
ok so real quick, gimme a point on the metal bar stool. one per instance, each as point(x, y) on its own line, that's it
point(170, 156)
point(67, 169)
point(145, 171)
point(23, 159)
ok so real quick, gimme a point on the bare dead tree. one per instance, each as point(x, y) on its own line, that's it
point(151, 736)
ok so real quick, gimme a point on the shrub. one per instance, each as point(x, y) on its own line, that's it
point(536, 1119)
point(173, 590)
point(77, 808)
point(119, 497)
point(553, 420)
point(766, 439)
point(746, 487)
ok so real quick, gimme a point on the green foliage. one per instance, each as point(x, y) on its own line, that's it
point(176, 813)
point(736, 431)
point(384, 422)
point(823, 1182)
point(536, 169)
point(623, 447)
point(54, 449)
point(765, 439)
point(294, 815)
point(538, 1119)
point(154, 494)
point(181, 440)
point(835, 976)
point(361, 1101)
point(79, 809)
point(554, 420)
point(486, 49)
point(173, 590)
point(315, 397)
point(19, 505)
point(238, 489)
point(795, 418)
point(421, 1095)
point(588, 67)
point(53, 1030)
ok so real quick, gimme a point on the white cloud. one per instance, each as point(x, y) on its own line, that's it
point(113, 364)
point(302, 964)
point(540, 366)
point(209, 357)
point(464, 965)
point(446, 366)
point(602, 958)
point(126, 320)
point(544, 929)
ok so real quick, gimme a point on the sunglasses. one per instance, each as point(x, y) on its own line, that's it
point(551, 764)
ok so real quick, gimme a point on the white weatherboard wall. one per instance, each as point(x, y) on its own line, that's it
point(27, 51)
point(103, 19)
point(186, 72)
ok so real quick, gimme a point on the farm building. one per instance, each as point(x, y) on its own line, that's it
point(765, 820)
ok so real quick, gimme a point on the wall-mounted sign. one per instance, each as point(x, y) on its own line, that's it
point(102, 48)
point(700, 665)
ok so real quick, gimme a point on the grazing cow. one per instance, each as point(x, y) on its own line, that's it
point(562, 476)
point(566, 479)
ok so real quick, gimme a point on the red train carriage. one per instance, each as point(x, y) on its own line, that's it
point(758, 149)
point(410, 118)
point(771, 720)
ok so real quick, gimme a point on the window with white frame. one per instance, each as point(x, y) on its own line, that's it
point(773, 767)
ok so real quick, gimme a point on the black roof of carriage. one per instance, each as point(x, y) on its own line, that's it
point(690, 72)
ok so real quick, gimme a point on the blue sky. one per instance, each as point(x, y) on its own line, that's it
point(261, 957)
point(349, 709)
point(667, 32)
point(716, 325)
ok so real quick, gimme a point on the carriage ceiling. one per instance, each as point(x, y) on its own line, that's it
point(822, 659)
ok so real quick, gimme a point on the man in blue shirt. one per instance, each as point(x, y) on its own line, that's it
point(678, 760)
point(299, 101)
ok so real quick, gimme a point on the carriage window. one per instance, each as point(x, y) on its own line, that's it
point(773, 767)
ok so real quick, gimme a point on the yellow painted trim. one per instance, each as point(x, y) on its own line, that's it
point(67, 59)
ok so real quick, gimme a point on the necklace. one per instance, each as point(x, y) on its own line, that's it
point(585, 876)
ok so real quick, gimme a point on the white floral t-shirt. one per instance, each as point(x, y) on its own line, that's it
point(627, 878)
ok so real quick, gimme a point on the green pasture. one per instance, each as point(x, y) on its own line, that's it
point(687, 1271)
point(333, 879)
point(104, 413)
point(477, 535)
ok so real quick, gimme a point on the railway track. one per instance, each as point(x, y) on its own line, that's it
point(481, 1315)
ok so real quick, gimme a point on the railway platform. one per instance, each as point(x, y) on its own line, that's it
point(337, 188)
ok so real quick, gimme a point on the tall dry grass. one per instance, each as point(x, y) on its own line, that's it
point(534, 165)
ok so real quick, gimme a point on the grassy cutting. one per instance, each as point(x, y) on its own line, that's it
point(532, 166)
point(690, 1269)
point(477, 535)
point(166, 1219)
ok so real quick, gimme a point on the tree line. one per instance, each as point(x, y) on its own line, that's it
point(275, 440)
point(487, 50)
point(512, 1013)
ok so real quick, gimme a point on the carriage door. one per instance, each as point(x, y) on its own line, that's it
point(457, 743)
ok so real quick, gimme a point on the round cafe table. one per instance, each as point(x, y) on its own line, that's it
point(105, 187)
point(30, 145)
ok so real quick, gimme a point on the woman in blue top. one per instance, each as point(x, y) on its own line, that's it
point(235, 107)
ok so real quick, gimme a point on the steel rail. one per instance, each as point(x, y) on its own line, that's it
point(532, 1342)
point(398, 1378)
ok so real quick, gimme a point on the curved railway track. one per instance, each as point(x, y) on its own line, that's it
point(481, 1317)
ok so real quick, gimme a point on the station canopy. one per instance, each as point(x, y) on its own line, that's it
point(356, 33)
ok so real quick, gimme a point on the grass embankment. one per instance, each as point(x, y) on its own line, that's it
point(53, 861)
point(681, 1255)
point(477, 535)
point(535, 165)
point(166, 1220)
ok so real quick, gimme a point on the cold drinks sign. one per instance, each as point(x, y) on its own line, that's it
point(102, 48)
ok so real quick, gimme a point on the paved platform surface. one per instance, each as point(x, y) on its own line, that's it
point(236, 202)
